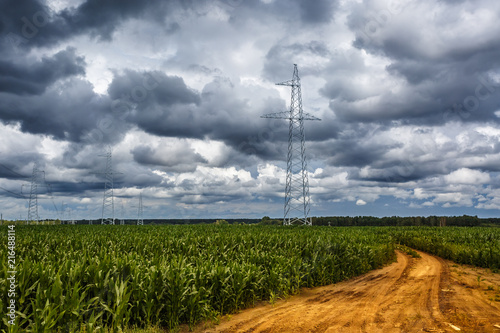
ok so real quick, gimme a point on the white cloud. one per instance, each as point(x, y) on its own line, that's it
point(454, 199)
point(360, 202)
point(467, 176)
point(419, 193)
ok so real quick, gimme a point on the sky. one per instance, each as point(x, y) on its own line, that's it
point(408, 92)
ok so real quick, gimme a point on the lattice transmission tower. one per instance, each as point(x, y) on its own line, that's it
point(71, 220)
point(140, 221)
point(122, 214)
point(108, 207)
point(33, 201)
point(297, 199)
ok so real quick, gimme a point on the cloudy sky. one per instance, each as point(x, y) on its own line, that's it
point(408, 92)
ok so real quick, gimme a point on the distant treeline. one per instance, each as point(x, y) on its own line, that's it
point(174, 221)
point(434, 221)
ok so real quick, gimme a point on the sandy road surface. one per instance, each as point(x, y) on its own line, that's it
point(424, 294)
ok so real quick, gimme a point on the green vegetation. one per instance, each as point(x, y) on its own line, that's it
point(266, 220)
point(335, 221)
point(107, 278)
point(431, 221)
point(408, 251)
point(21, 222)
point(472, 246)
point(100, 278)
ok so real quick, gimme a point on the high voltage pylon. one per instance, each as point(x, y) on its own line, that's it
point(122, 220)
point(37, 180)
point(108, 207)
point(71, 220)
point(140, 221)
point(297, 199)
point(33, 202)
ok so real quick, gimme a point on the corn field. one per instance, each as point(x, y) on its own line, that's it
point(472, 246)
point(75, 278)
point(96, 278)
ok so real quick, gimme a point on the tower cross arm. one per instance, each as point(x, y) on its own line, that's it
point(277, 115)
point(286, 115)
point(289, 83)
point(307, 116)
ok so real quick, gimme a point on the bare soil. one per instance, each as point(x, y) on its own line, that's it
point(426, 294)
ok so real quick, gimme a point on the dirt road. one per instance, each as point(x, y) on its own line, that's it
point(424, 294)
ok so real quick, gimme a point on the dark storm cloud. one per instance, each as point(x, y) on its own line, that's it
point(77, 189)
point(31, 23)
point(279, 59)
point(168, 107)
point(69, 116)
point(165, 106)
point(320, 11)
point(179, 158)
point(151, 88)
point(319, 131)
point(82, 158)
point(9, 166)
point(100, 18)
point(353, 146)
point(87, 164)
point(302, 13)
point(159, 104)
point(74, 188)
point(14, 14)
point(351, 153)
point(21, 77)
point(444, 77)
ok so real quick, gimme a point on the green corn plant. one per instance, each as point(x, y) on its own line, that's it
point(103, 278)
point(119, 305)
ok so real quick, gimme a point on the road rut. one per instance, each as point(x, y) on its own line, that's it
point(426, 294)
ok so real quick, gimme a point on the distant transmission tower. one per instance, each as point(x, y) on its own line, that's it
point(33, 202)
point(122, 221)
point(297, 199)
point(140, 221)
point(108, 208)
point(70, 219)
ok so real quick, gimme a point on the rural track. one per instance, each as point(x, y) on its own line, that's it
point(426, 294)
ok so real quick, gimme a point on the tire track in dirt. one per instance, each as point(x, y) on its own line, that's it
point(410, 295)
